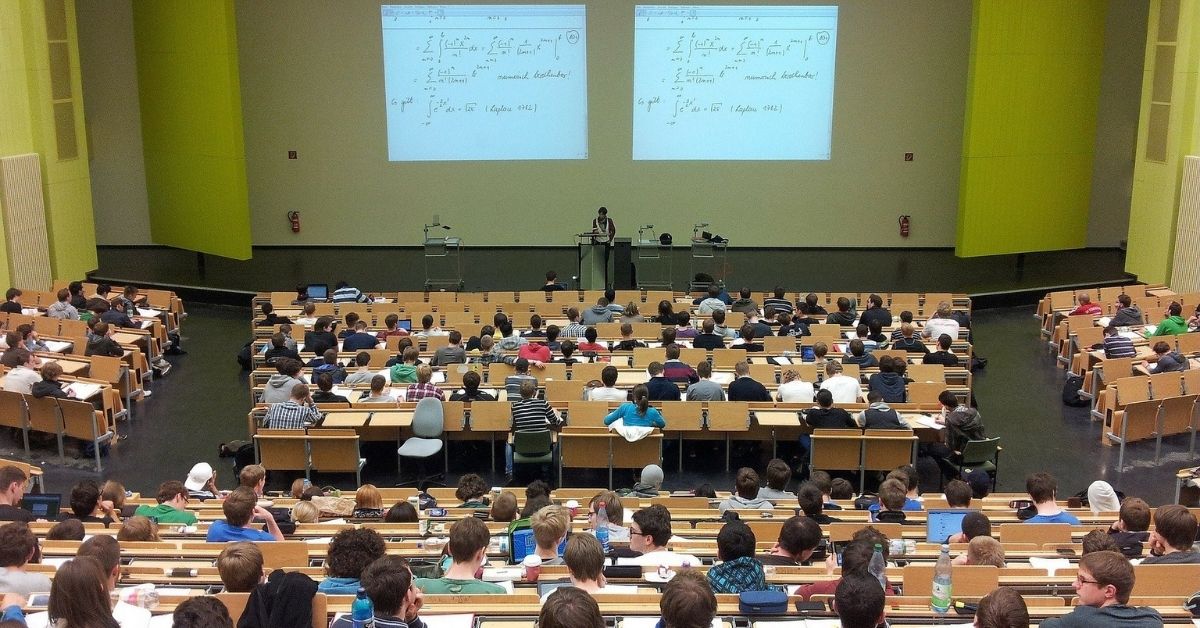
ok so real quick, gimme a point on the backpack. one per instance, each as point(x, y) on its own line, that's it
point(1070, 392)
point(243, 356)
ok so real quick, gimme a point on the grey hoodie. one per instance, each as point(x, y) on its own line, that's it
point(737, 502)
point(597, 314)
point(1126, 316)
point(279, 388)
point(1102, 617)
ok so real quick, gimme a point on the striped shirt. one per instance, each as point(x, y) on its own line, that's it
point(779, 305)
point(350, 294)
point(533, 415)
point(1118, 346)
point(289, 415)
point(416, 392)
point(573, 330)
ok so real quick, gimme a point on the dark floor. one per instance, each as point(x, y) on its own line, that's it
point(376, 268)
point(204, 400)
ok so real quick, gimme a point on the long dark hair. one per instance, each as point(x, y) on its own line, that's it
point(666, 312)
point(641, 396)
point(79, 596)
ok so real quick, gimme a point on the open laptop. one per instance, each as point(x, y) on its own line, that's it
point(404, 324)
point(942, 523)
point(317, 291)
point(43, 506)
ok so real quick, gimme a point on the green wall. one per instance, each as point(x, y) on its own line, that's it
point(191, 114)
point(1030, 128)
point(27, 126)
point(312, 81)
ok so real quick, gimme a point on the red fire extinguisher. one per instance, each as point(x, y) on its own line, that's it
point(294, 218)
point(905, 224)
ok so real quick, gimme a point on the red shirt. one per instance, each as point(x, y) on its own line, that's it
point(534, 351)
point(1087, 308)
point(591, 346)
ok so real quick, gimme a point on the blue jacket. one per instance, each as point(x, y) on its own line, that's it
point(629, 412)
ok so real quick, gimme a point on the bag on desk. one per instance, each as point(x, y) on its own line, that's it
point(763, 602)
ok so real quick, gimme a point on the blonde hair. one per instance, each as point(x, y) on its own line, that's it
point(305, 512)
point(367, 496)
point(549, 525)
point(114, 492)
point(985, 550)
point(138, 529)
point(424, 374)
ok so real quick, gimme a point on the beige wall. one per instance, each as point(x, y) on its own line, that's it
point(311, 81)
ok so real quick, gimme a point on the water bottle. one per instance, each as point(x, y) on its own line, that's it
point(362, 611)
point(940, 600)
point(602, 526)
point(878, 566)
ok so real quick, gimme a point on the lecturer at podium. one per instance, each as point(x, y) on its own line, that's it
point(602, 225)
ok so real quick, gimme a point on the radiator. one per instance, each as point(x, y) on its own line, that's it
point(25, 221)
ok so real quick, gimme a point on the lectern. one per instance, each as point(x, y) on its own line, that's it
point(593, 269)
point(443, 261)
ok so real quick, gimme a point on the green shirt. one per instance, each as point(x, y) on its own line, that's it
point(166, 514)
point(1171, 325)
point(453, 586)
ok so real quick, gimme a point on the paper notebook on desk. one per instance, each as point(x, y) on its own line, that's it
point(781, 360)
point(82, 390)
point(922, 420)
point(58, 346)
point(149, 311)
point(722, 378)
point(30, 311)
point(145, 324)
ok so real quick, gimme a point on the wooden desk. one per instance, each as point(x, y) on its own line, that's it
point(780, 421)
point(598, 448)
point(353, 419)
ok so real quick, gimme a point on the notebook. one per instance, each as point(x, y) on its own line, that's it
point(43, 506)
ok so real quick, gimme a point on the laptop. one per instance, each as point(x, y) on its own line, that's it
point(404, 324)
point(942, 523)
point(43, 506)
point(317, 291)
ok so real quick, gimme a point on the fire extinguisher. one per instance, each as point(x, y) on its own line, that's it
point(294, 218)
point(905, 224)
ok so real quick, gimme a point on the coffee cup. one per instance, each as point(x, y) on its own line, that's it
point(533, 567)
point(573, 506)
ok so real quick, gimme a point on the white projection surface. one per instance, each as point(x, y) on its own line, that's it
point(733, 82)
point(485, 82)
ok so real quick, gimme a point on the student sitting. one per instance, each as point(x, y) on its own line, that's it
point(738, 570)
point(469, 538)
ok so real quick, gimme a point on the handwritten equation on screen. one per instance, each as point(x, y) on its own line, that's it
point(481, 82)
point(714, 82)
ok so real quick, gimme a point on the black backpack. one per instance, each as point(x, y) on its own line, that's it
point(1070, 392)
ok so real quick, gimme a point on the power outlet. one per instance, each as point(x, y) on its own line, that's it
point(292, 155)
point(908, 156)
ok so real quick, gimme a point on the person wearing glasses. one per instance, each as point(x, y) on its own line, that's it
point(1103, 585)
point(649, 534)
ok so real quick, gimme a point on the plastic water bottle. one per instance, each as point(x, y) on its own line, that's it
point(878, 566)
point(940, 600)
point(362, 611)
point(602, 526)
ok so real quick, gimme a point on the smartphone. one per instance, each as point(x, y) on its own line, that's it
point(838, 553)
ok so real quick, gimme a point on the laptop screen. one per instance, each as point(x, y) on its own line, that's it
point(941, 524)
point(43, 506)
point(405, 324)
point(317, 291)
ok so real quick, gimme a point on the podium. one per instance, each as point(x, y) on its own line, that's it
point(443, 263)
point(593, 269)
